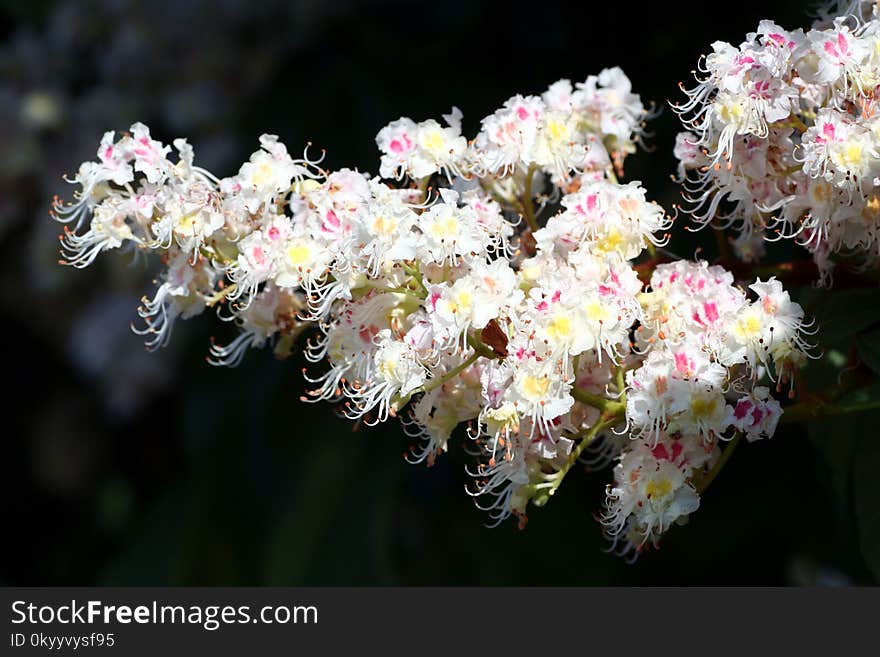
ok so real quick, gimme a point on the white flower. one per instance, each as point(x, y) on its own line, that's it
point(395, 375)
point(421, 149)
point(840, 149)
point(272, 311)
point(508, 136)
point(270, 171)
point(450, 233)
point(147, 153)
point(651, 492)
point(473, 300)
point(757, 414)
point(539, 392)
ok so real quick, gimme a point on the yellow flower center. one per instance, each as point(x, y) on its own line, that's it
point(748, 326)
point(298, 254)
point(186, 225)
point(559, 327)
point(731, 112)
point(445, 228)
point(388, 369)
point(851, 155)
point(658, 488)
point(434, 141)
point(703, 407)
point(535, 387)
point(464, 299)
point(262, 173)
point(383, 226)
point(595, 311)
point(610, 241)
point(557, 130)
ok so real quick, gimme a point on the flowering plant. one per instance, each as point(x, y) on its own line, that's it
point(512, 285)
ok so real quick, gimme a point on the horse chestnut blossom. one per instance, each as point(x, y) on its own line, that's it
point(783, 138)
point(487, 290)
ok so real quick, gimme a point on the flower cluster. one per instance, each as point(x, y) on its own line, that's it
point(441, 298)
point(568, 128)
point(134, 196)
point(52, 81)
point(705, 344)
point(783, 138)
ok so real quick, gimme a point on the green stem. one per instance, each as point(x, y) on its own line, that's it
point(604, 404)
point(451, 374)
point(413, 271)
point(803, 411)
point(212, 255)
point(797, 123)
point(724, 458)
point(794, 121)
point(478, 346)
point(396, 290)
point(791, 170)
point(220, 295)
point(555, 480)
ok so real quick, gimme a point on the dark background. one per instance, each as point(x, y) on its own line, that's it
point(129, 468)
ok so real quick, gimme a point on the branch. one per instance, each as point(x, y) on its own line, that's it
point(813, 410)
point(709, 477)
point(797, 272)
point(604, 404)
point(451, 374)
point(478, 346)
point(553, 481)
point(527, 203)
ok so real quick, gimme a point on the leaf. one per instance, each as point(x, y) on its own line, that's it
point(868, 345)
point(852, 453)
point(866, 494)
point(835, 440)
point(846, 313)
